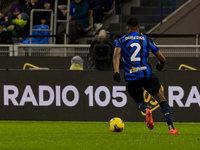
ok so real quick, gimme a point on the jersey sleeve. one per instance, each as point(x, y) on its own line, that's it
point(153, 47)
point(117, 44)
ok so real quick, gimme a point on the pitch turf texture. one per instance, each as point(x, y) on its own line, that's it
point(64, 135)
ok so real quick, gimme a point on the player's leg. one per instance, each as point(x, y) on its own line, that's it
point(152, 85)
point(135, 90)
point(166, 110)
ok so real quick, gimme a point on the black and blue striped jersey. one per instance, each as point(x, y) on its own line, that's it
point(135, 50)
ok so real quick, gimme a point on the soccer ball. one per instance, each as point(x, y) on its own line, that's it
point(116, 124)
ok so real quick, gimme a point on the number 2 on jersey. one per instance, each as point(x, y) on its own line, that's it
point(138, 48)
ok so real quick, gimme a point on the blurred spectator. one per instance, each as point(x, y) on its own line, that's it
point(76, 63)
point(52, 2)
point(38, 40)
point(62, 4)
point(5, 36)
point(46, 16)
point(78, 19)
point(16, 22)
point(99, 7)
point(2, 17)
point(34, 4)
point(20, 26)
point(13, 14)
point(16, 17)
point(11, 28)
point(24, 6)
point(21, 20)
point(16, 30)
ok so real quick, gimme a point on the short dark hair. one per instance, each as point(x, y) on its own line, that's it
point(132, 22)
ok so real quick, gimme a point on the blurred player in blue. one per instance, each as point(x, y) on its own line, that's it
point(138, 73)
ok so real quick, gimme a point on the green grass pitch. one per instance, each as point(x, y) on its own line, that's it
point(68, 135)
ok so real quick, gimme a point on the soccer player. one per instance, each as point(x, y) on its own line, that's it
point(138, 73)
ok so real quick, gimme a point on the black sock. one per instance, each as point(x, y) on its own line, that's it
point(166, 111)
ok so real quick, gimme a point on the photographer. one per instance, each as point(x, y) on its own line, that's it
point(101, 51)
